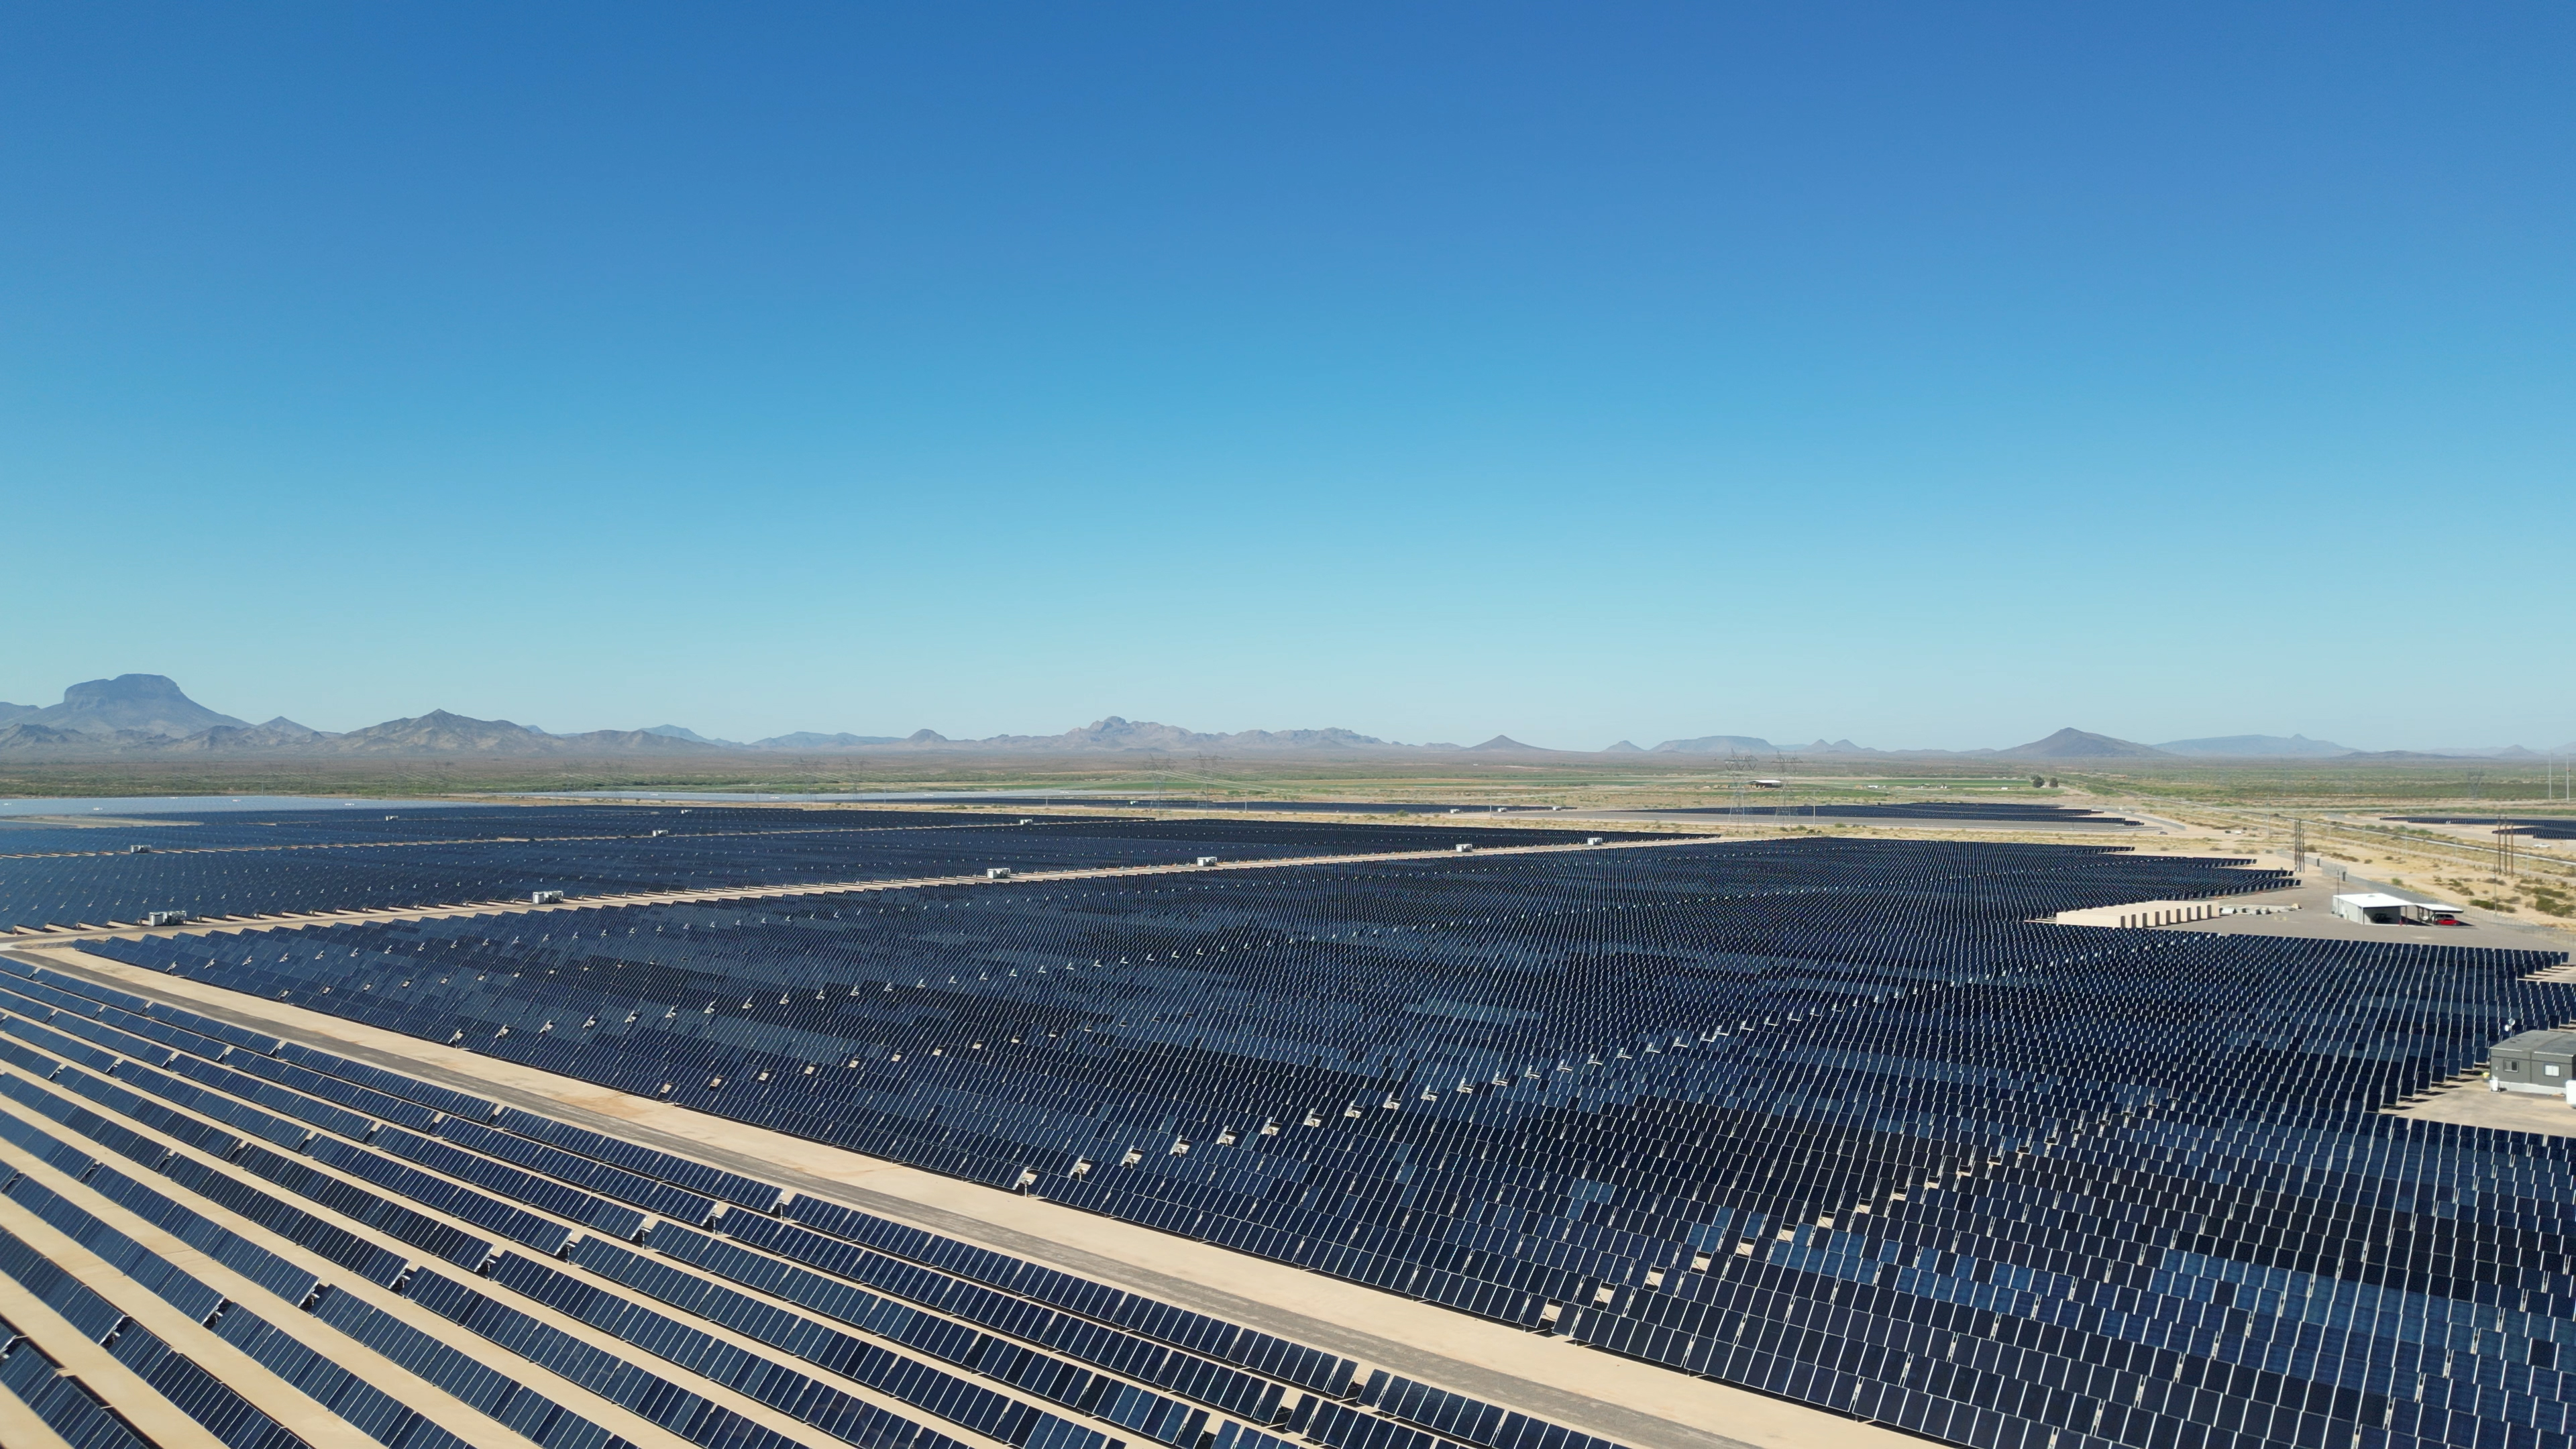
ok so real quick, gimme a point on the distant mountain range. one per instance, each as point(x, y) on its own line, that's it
point(2258, 747)
point(148, 714)
point(136, 714)
point(139, 714)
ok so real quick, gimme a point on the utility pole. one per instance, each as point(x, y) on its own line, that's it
point(1208, 769)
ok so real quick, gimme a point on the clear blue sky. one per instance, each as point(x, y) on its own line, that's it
point(1931, 375)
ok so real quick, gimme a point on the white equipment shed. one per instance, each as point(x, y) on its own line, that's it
point(2372, 908)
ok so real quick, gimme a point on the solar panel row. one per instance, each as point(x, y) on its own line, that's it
point(60, 1400)
point(176, 1377)
point(943, 1273)
point(198, 1394)
point(1257, 1400)
point(204, 1173)
point(660, 1198)
point(467, 1379)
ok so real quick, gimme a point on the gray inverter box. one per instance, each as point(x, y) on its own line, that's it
point(2533, 1061)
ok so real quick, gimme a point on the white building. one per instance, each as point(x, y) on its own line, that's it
point(2372, 908)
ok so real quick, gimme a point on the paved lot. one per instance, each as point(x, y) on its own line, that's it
point(2315, 920)
point(2466, 1100)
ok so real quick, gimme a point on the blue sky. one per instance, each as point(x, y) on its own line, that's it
point(1928, 375)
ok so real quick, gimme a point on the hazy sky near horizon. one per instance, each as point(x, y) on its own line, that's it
point(1928, 375)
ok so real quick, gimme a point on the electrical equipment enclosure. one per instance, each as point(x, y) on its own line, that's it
point(2372, 908)
point(2533, 1061)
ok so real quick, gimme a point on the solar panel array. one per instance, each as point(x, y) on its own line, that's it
point(1991, 812)
point(340, 825)
point(1844, 1122)
point(2539, 827)
point(1841, 1121)
point(321, 861)
point(275, 1257)
point(1198, 800)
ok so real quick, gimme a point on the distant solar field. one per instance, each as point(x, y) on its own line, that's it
point(1972, 811)
point(2543, 827)
point(329, 861)
point(226, 830)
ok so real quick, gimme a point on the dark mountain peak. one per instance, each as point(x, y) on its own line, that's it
point(125, 687)
point(1717, 745)
point(682, 732)
point(2074, 744)
point(442, 725)
point(151, 704)
point(1624, 747)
